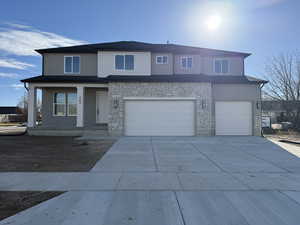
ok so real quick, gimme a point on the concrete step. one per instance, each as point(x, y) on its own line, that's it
point(101, 132)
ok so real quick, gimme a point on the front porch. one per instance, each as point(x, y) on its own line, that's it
point(69, 109)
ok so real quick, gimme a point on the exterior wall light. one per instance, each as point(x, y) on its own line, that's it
point(257, 105)
point(203, 104)
point(115, 102)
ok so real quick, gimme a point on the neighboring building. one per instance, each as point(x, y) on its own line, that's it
point(9, 114)
point(140, 89)
point(278, 111)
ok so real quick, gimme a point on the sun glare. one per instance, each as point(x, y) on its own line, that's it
point(213, 22)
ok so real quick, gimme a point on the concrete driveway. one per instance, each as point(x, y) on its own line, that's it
point(207, 180)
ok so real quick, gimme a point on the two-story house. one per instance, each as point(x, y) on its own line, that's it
point(141, 89)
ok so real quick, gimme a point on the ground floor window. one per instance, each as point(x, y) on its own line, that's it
point(65, 104)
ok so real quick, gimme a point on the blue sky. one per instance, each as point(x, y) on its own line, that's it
point(261, 27)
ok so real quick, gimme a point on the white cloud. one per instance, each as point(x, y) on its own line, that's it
point(9, 75)
point(12, 63)
point(17, 86)
point(22, 40)
point(14, 86)
point(16, 25)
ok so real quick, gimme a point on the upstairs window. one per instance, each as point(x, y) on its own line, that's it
point(187, 62)
point(162, 59)
point(124, 62)
point(221, 65)
point(72, 64)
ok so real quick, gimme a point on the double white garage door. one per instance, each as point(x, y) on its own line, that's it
point(159, 118)
point(163, 117)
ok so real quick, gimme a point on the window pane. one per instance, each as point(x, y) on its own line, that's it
point(72, 110)
point(72, 98)
point(59, 98)
point(158, 59)
point(165, 59)
point(119, 62)
point(190, 62)
point(217, 66)
point(224, 66)
point(76, 64)
point(183, 62)
point(59, 109)
point(68, 64)
point(129, 62)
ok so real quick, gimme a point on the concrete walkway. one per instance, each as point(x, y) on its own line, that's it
point(164, 208)
point(209, 180)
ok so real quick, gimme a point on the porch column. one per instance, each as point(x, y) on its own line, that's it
point(31, 120)
point(80, 106)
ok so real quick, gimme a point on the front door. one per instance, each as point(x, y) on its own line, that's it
point(102, 107)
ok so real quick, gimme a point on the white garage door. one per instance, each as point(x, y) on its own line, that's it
point(233, 118)
point(159, 118)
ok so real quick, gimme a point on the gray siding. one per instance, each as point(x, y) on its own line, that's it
point(236, 66)
point(48, 119)
point(239, 92)
point(161, 69)
point(196, 68)
point(54, 64)
point(236, 92)
point(68, 122)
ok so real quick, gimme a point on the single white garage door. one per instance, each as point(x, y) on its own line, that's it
point(159, 118)
point(233, 118)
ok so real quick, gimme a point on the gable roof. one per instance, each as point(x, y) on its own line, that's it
point(141, 46)
point(152, 78)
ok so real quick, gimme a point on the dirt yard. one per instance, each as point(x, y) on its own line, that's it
point(43, 154)
point(284, 135)
point(49, 154)
point(12, 202)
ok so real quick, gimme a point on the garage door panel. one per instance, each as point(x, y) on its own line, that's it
point(159, 118)
point(233, 118)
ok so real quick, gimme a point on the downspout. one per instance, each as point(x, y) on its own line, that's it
point(26, 87)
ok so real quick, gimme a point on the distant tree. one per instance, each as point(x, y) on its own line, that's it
point(23, 106)
point(283, 73)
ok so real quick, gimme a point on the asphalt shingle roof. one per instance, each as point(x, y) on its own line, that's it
point(153, 78)
point(140, 46)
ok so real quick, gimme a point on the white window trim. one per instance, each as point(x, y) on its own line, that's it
point(162, 59)
point(214, 65)
point(53, 110)
point(67, 104)
point(186, 57)
point(72, 64)
point(124, 62)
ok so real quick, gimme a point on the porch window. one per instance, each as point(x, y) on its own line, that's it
point(124, 62)
point(72, 104)
point(59, 104)
point(72, 64)
point(65, 104)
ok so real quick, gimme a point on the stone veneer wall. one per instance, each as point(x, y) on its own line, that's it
point(257, 118)
point(201, 91)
